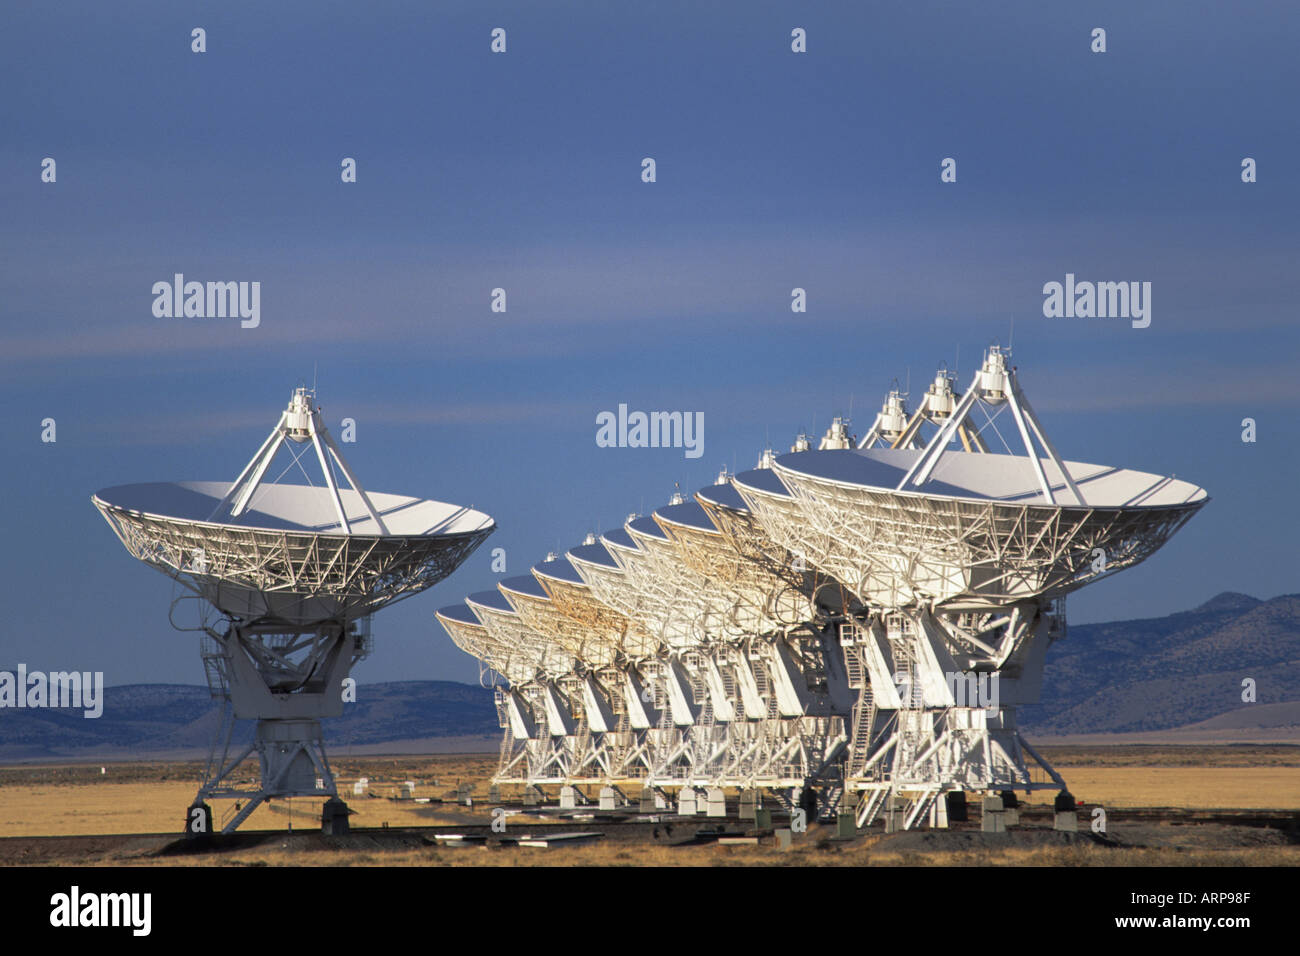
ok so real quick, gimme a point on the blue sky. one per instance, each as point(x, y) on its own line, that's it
point(522, 171)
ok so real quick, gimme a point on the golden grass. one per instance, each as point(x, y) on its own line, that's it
point(1148, 755)
point(1195, 788)
point(73, 800)
point(151, 798)
point(158, 807)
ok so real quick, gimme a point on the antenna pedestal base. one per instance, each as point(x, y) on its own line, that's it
point(292, 761)
point(286, 680)
point(937, 711)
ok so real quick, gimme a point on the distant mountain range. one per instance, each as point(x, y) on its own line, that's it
point(177, 720)
point(1177, 678)
point(1169, 672)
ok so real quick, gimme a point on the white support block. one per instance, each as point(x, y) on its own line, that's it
point(686, 802)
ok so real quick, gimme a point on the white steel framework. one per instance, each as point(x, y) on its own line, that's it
point(858, 621)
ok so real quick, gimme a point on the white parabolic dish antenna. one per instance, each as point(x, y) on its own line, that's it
point(292, 567)
point(296, 554)
point(966, 529)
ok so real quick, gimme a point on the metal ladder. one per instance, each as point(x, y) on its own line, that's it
point(920, 807)
point(216, 666)
point(869, 807)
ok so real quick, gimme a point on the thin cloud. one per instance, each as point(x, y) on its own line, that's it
point(440, 297)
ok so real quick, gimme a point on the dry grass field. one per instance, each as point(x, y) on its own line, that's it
point(78, 802)
point(74, 800)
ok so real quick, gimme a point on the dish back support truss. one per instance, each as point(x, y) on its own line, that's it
point(611, 632)
point(576, 641)
point(292, 576)
point(759, 600)
point(896, 549)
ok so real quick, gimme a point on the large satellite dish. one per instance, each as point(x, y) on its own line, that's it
point(966, 528)
point(295, 570)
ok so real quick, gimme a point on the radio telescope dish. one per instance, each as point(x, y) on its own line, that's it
point(532, 602)
point(601, 633)
point(469, 633)
point(970, 528)
point(593, 600)
point(531, 653)
point(979, 534)
point(776, 571)
point(469, 627)
point(296, 571)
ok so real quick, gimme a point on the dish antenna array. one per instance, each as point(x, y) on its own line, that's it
point(836, 626)
point(295, 571)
